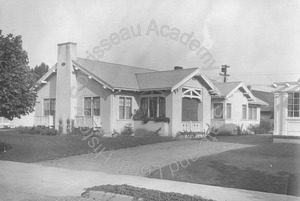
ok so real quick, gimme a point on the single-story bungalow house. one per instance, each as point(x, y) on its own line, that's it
point(94, 93)
point(287, 109)
point(235, 106)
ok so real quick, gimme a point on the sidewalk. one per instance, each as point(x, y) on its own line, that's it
point(52, 181)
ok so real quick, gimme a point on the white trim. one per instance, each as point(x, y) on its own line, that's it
point(189, 93)
point(48, 74)
point(213, 114)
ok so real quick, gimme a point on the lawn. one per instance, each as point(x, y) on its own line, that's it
point(34, 148)
point(266, 167)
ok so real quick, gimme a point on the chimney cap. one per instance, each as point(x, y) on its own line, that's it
point(178, 68)
point(66, 43)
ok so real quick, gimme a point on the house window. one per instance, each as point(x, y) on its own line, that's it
point(244, 111)
point(228, 110)
point(92, 106)
point(293, 104)
point(96, 106)
point(87, 106)
point(49, 107)
point(252, 113)
point(218, 111)
point(125, 107)
point(153, 106)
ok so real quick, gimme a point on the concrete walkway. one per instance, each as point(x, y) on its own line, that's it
point(53, 181)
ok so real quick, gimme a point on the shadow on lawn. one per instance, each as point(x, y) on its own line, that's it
point(280, 182)
point(269, 167)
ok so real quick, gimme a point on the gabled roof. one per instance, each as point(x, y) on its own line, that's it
point(122, 77)
point(162, 79)
point(227, 87)
point(266, 97)
point(116, 76)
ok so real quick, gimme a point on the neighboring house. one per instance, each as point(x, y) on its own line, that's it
point(236, 106)
point(287, 108)
point(266, 112)
point(93, 93)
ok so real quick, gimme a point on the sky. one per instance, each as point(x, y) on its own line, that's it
point(258, 39)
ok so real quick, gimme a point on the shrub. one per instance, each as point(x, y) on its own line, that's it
point(60, 126)
point(143, 116)
point(223, 132)
point(267, 124)
point(39, 130)
point(257, 129)
point(145, 194)
point(127, 130)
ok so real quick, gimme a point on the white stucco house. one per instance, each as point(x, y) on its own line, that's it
point(235, 106)
point(91, 92)
point(287, 109)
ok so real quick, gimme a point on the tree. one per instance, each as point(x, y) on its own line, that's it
point(17, 96)
point(39, 71)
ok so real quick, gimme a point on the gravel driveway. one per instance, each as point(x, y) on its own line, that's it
point(144, 159)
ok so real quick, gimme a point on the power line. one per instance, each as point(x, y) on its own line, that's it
point(224, 72)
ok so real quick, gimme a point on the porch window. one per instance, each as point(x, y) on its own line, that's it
point(49, 107)
point(293, 104)
point(92, 106)
point(252, 111)
point(228, 110)
point(244, 111)
point(125, 107)
point(153, 106)
point(218, 110)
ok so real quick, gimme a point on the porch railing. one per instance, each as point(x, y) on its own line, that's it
point(87, 121)
point(192, 126)
point(44, 120)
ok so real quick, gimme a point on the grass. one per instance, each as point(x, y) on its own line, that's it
point(267, 167)
point(34, 148)
point(146, 194)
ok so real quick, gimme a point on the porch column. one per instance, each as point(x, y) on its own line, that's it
point(174, 111)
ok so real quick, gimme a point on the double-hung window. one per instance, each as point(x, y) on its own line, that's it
point(49, 107)
point(92, 106)
point(125, 107)
point(244, 111)
point(252, 113)
point(218, 111)
point(228, 110)
point(293, 104)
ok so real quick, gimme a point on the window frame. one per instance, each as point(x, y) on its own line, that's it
point(228, 111)
point(252, 112)
point(293, 110)
point(244, 116)
point(158, 96)
point(126, 116)
point(92, 106)
point(49, 109)
point(213, 110)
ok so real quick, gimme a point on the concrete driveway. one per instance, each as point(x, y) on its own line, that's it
point(144, 159)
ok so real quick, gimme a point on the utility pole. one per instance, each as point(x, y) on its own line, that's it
point(224, 72)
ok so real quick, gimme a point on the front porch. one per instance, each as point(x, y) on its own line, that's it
point(47, 121)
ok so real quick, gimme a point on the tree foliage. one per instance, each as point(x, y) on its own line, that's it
point(17, 96)
point(39, 71)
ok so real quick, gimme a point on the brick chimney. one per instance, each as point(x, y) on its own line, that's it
point(66, 79)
